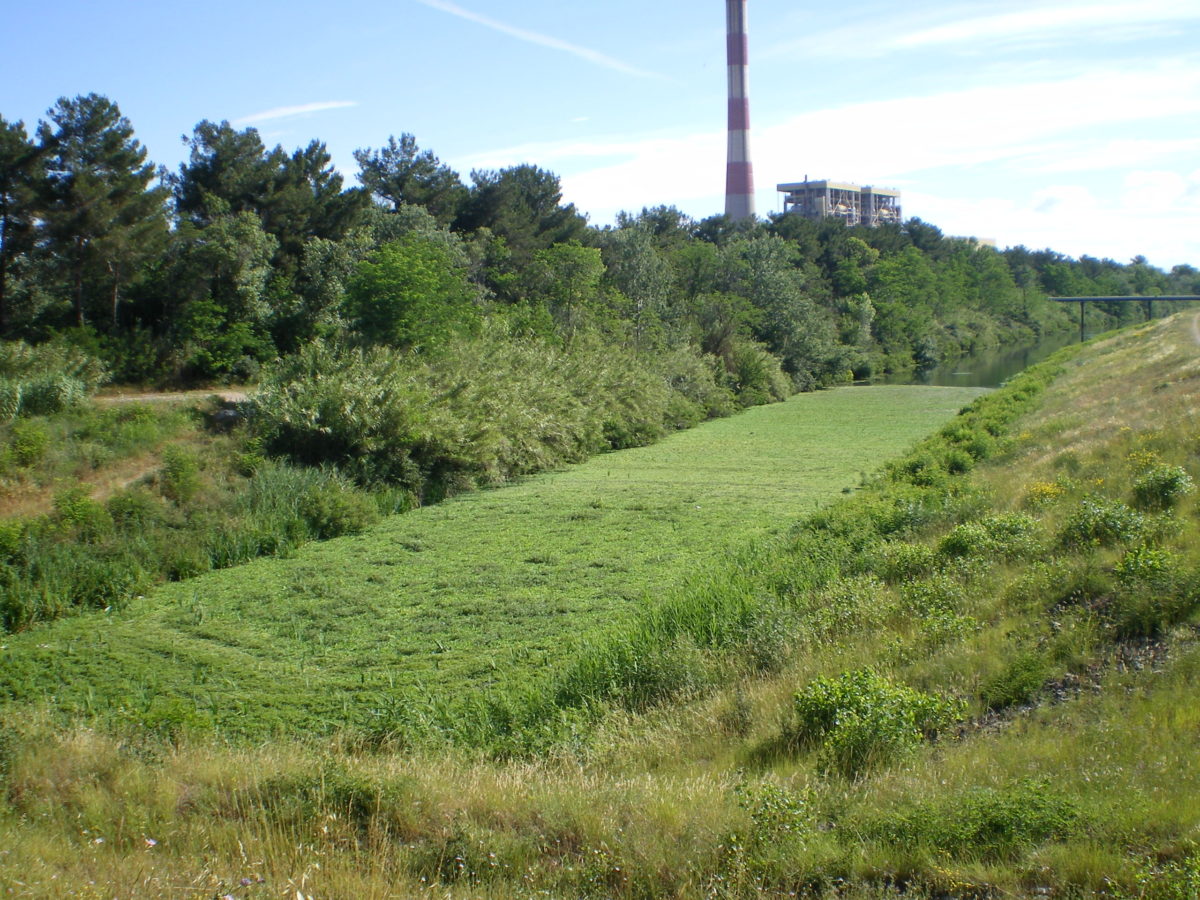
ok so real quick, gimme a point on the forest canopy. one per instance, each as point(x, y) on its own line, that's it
point(249, 253)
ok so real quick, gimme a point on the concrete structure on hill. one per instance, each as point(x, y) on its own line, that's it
point(853, 204)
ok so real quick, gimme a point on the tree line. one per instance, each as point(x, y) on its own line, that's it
point(249, 253)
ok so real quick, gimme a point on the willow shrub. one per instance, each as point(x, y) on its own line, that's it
point(45, 379)
point(479, 411)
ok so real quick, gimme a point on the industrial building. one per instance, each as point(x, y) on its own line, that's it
point(853, 204)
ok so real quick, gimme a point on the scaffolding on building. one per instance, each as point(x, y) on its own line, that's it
point(851, 203)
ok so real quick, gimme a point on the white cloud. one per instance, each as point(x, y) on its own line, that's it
point(543, 40)
point(1075, 220)
point(1118, 153)
point(1037, 24)
point(287, 112)
point(1046, 21)
point(998, 143)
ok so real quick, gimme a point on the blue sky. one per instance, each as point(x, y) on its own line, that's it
point(1059, 124)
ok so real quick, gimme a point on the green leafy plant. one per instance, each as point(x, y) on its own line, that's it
point(29, 442)
point(991, 823)
point(1101, 521)
point(1019, 681)
point(861, 719)
point(1162, 486)
point(180, 474)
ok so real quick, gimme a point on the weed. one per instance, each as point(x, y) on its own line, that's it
point(134, 509)
point(180, 474)
point(1101, 521)
point(1161, 487)
point(958, 462)
point(1019, 682)
point(900, 561)
point(29, 442)
point(861, 720)
point(1044, 493)
point(1173, 879)
point(990, 823)
point(1149, 567)
point(1008, 536)
point(175, 719)
point(77, 513)
point(336, 509)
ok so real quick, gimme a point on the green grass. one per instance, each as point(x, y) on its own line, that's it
point(1066, 765)
point(488, 588)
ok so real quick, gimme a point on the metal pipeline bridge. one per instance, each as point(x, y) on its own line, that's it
point(1148, 301)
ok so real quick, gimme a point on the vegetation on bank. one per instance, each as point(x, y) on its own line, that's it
point(491, 587)
point(250, 253)
point(124, 496)
point(968, 680)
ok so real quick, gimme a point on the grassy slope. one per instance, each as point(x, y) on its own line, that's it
point(1084, 788)
point(485, 587)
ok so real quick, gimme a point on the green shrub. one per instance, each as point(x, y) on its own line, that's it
point(697, 379)
point(104, 580)
point(861, 719)
point(1100, 521)
point(360, 411)
point(770, 638)
point(179, 476)
point(183, 558)
point(900, 561)
point(335, 509)
point(21, 361)
point(483, 411)
point(1148, 566)
point(47, 394)
point(958, 462)
point(1162, 486)
point(134, 509)
point(12, 532)
point(932, 596)
point(757, 376)
point(777, 812)
point(175, 719)
point(78, 513)
point(29, 442)
point(922, 469)
point(1008, 535)
point(1144, 608)
point(1172, 879)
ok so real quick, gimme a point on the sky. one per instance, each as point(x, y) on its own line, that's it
point(1061, 124)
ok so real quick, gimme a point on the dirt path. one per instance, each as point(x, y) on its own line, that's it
point(232, 395)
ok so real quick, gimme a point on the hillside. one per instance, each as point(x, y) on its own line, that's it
point(973, 678)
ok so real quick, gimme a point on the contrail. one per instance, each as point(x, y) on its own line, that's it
point(543, 40)
point(284, 112)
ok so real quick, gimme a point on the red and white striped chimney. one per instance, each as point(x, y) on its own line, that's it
point(739, 173)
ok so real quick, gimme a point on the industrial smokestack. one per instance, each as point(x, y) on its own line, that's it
point(739, 173)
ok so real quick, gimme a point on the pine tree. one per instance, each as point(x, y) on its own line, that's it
point(102, 218)
point(402, 173)
point(20, 170)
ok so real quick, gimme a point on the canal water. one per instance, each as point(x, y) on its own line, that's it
point(989, 369)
